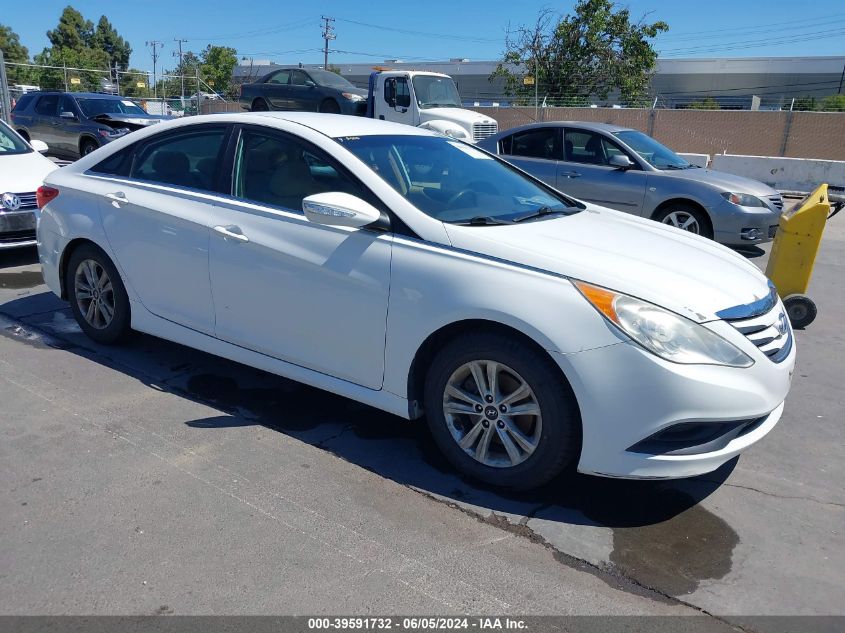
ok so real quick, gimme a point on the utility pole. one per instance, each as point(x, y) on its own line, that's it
point(841, 80)
point(117, 78)
point(154, 46)
point(181, 69)
point(328, 34)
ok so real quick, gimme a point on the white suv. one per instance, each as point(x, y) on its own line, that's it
point(424, 276)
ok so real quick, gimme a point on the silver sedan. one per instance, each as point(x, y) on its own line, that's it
point(627, 170)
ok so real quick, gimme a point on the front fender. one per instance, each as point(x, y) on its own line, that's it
point(441, 125)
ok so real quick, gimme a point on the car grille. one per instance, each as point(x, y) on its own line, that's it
point(770, 332)
point(27, 202)
point(483, 130)
point(776, 202)
point(14, 237)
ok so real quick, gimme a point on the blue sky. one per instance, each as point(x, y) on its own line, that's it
point(374, 30)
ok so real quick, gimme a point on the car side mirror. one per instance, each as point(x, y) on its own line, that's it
point(309, 83)
point(621, 161)
point(38, 146)
point(336, 208)
point(67, 115)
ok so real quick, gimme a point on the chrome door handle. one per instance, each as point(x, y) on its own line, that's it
point(117, 196)
point(571, 174)
point(232, 231)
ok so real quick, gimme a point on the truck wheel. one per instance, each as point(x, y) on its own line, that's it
point(330, 106)
point(801, 310)
point(259, 105)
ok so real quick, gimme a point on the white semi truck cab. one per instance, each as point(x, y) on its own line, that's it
point(427, 100)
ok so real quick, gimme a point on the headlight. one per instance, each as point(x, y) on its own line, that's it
point(352, 97)
point(664, 333)
point(110, 132)
point(456, 133)
point(743, 199)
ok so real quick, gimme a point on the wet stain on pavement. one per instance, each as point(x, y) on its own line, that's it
point(20, 280)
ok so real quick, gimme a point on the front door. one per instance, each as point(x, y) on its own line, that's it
point(157, 222)
point(308, 294)
point(396, 101)
point(586, 172)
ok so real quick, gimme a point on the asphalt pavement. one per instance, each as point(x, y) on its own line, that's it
point(152, 478)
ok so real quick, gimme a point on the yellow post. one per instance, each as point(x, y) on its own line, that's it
point(794, 254)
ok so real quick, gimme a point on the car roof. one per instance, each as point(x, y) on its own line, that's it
point(333, 125)
point(584, 125)
point(98, 95)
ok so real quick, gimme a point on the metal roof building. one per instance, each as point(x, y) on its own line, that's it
point(677, 82)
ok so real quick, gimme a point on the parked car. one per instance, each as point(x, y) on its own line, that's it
point(627, 170)
point(420, 275)
point(305, 90)
point(22, 170)
point(74, 124)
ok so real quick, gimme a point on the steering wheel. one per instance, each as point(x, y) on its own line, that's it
point(473, 188)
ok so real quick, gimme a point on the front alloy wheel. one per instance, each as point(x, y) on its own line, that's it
point(684, 221)
point(492, 413)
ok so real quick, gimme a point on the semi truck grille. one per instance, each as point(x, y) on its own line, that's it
point(770, 332)
point(483, 130)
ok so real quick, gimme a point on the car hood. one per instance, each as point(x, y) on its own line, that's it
point(723, 181)
point(685, 273)
point(23, 173)
point(458, 115)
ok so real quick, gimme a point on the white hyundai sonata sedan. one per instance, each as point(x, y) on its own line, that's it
point(423, 276)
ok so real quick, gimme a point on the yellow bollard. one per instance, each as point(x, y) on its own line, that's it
point(794, 254)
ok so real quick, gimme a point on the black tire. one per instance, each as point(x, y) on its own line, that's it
point(701, 218)
point(801, 310)
point(86, 146)
point(559, 442)
point(25, 135)
point(259, 105)
point(330, 106)
point(119, 326)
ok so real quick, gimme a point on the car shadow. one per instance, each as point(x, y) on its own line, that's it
point(657, 526)
point(751, 252)
point(13, 257)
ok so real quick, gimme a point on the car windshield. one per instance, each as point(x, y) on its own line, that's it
point(329, 79)
point(455, 182)
point(436, 92)
point(651, 151)
point(11, 143)
point(92, 106)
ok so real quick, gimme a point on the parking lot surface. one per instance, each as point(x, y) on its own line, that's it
point(151, 478)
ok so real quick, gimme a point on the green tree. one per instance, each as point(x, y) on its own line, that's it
point(106, 38)
point(73, 32)
point(216, 66)
point(833, 103)
point(594, 51)
point(708, 103)
point(15, 52)
point(805, 103)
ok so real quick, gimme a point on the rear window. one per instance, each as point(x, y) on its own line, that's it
point(23, 103)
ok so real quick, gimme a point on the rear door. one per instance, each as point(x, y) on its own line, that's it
point(157, 221)
point(536, 150)
point(45, 122)
point(277, 90)
point(586, 173)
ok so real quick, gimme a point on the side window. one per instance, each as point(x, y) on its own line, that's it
point(23, 103)
point(280, 171)
point(46, 105)
point(390, 91)
point(590, 148)
point(279, 77)
point(403, 93)
point(186, 160)
point(117, 164)
point(537, 143)
point(299, 78)
point(66, 105)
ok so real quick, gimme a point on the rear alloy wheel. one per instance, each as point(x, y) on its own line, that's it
point(500, 412)
point(97, 296)
point(687, 218)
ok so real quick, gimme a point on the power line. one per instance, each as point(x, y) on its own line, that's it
point(393, 29)
point(328, 34)
point(269, 30)
point(744, 29)
point(154, 45)
point(181, 67)
point(752, 43)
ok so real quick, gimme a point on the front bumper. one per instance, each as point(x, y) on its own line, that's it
point(17, 228)
point(627, 395)
point(741, 226)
